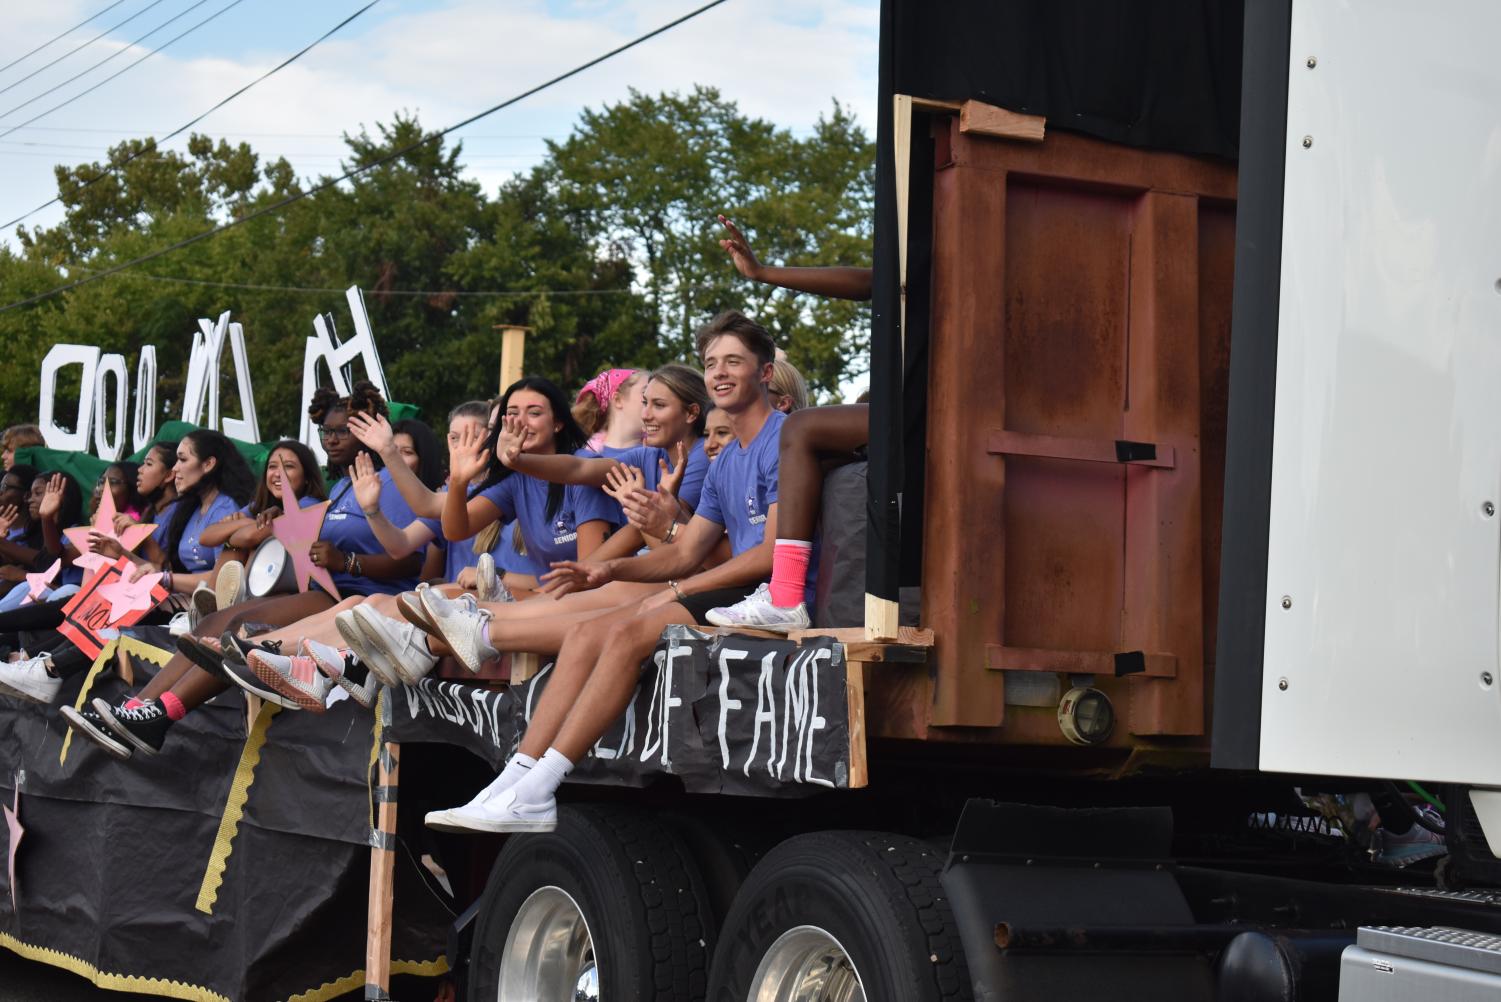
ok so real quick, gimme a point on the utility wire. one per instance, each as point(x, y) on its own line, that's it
point(176, 38)
point(280, 204)
point(323, 290)
point(112, 55)
point(70, 31)
point(154, 144)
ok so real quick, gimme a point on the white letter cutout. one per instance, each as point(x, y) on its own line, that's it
point(60, 355)
point(338, 356)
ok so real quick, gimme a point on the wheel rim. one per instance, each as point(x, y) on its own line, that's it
point(549, 954)
point(806, 964)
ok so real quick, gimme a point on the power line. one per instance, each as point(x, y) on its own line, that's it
point(54, 38)
point(290, 199)
point(101, 62)
point(176, 38)
point(324, 290)
point(153, 144)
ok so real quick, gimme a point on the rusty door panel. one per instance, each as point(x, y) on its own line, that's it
point(1078, 355)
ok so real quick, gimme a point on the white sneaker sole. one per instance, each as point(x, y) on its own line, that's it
point(463, 655)
point(229, 586)
point(7, 689)
point(377, 639)
point(443, 821)
point(362, 694)
point(353, 634)
point(106, 741)
point(783, 627)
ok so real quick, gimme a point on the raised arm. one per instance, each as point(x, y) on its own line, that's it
point(375, 434)
point(837, 282)
point(591, 472)
point(367, 488)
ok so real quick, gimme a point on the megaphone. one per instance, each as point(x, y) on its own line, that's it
point(270, 571)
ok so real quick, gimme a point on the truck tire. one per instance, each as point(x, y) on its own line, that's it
point(843, 915)
point(608, 906)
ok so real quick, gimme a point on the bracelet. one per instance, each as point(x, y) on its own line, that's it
point(672, 531)
point(369, 512)
point(167, 580)
point(677, 591)
point(349, 563)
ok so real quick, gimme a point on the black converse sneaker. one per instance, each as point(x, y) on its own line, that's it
point(143, 726)
point(88, 723)
point(237, 649)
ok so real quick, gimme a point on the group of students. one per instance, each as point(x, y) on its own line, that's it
point(583, 541)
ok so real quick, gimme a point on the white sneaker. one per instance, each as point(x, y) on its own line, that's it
point(29, 680)
point(459, 623)
point(756, 611)
point(500, 813)
point(488, 585)
point(400, 645)
point(354, 635)
point(442, 820)
point(180, 624)
point(335, 663)
point(229, 586)
point(201, 603)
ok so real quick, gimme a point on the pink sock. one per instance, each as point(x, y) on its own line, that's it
point(789, 571)
point(173, 706)
point(132, 703)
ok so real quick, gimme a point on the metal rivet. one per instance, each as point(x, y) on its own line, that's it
point(1287, 601)
point(1485, 678)
point(1489, 508)
point(1313, 61)
point(1282, 684)
point(1307, 142)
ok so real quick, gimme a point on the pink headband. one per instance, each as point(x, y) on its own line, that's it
point(605, 385)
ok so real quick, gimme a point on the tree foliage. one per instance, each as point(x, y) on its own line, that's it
point(606, 250)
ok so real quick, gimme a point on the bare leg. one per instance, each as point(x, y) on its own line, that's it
point(610, 596)
point(319, 624)
point(576, 658)
point(627, 641)
point(809, 437)
point(275, 609)
point(542, 636)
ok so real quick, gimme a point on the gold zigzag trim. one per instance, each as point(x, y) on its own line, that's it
point(356, 980)
point(110, 981)
point(140, 648)
point(234, 809)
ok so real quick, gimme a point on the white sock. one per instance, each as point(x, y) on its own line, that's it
point(518, 766)
point(485, 647)
point(542, 781)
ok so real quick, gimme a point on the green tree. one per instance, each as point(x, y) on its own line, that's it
point(650, 174)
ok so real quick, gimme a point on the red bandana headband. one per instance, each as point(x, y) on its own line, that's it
point(605, 385)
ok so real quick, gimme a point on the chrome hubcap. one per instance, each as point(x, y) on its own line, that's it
point(549, 954)
point(806, 964)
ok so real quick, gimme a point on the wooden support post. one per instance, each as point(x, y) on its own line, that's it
point(382, 875)
point(524, 667)
point(123, 667)
point(882, 618)
point(855, 689)
point(512, 353)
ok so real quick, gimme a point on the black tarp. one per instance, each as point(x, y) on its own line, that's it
point(116, 857)
point(1163, 75)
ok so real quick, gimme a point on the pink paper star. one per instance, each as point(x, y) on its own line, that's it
point(126, 596)
point(298, 530)
point(13, 824)
point(104, 524)
point(38, 583)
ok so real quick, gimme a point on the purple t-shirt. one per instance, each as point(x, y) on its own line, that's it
point(646, 457)
point(523, 499)
point(741, 488)
point(345, 526)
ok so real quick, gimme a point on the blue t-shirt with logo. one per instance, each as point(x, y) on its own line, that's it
point(646, 458)
point(741, 488)
point(196, 557)
point(523, 499)
point(345, 526)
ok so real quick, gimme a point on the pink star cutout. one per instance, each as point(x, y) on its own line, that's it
point(38, 583)
point(298, 530)
point(126, 596)
point(13, 825)
point(104, 524)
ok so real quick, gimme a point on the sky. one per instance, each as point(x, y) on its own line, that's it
point(782, 60)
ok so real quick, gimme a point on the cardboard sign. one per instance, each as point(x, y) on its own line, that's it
point(109, 601)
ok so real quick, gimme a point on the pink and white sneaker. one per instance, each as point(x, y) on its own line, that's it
point(296, 677)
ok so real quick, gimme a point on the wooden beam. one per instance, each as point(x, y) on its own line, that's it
point(382, 875)
point(910, 635)
point(1001, 658)
point(886, 653)
point(882, 619)
point(512, 353)
point(1089, 450)
point(983, 119)
point(524, 667)
point(855, 691)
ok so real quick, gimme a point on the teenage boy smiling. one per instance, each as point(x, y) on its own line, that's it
point(599, 664)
